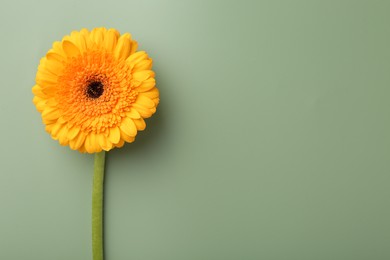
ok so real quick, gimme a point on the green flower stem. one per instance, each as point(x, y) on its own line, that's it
point(97, 206)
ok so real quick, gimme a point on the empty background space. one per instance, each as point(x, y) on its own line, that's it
point(271, 140)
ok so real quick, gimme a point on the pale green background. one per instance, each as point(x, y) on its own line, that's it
point(271, 140)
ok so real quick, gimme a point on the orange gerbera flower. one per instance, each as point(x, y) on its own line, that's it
point(94, 90)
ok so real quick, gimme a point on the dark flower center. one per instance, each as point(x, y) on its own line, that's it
point(95, 89)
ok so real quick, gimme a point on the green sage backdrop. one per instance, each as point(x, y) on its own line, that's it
point(271, 140)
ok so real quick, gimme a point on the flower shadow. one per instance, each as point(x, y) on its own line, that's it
point(146, 142)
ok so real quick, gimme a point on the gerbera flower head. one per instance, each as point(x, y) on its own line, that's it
point(94, 90)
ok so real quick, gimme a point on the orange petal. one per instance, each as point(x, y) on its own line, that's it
point(144, 112)
point(97, 35)
point(134, 46)
point(55, 130)
point(46, 73)
point(86, 35)
point(61, 120)
point(54, 66)
point(89, 147)
point(114, 135)
point(49, 90)
point(156, 101)
point(143, 75)
point(78, 141)
point(128, 127)
point(72, 133)
point(95, 143)
point(104, 143)
point(70, 49)
point(144, 101)
point(146, 85)
point(153, 93)
point(79, 40)
point(51, 113)
point(140, 123)
point(37, 90)
point(52, 102)
point(39, 103)
point(111, 40)
point(122, 49)
point(143, 65)
point(126, 137)
point(120, 144)
point(53, 55)
point(82, 149)
point(133, 113)
point(57, 47)
point(62, 136)
point(49, 127)
point(136, 57)
point(48, 122)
